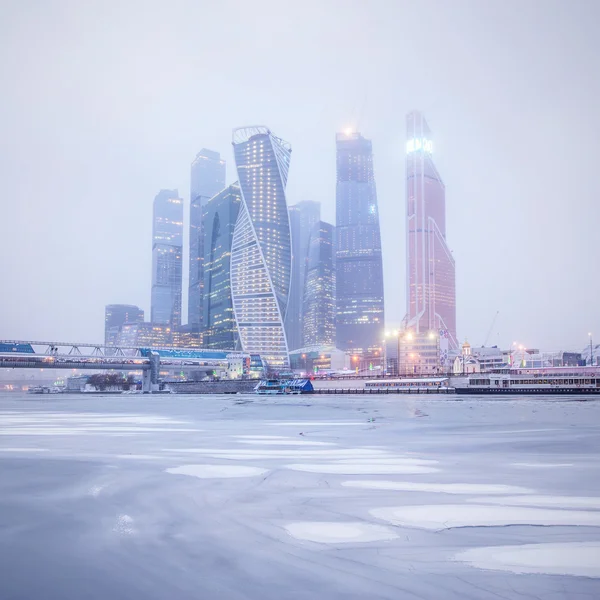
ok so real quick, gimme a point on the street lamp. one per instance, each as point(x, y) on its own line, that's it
point(591, 349)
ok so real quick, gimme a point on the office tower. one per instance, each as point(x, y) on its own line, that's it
point(303, 217)
point(145, 335)
point(167, 236)
point(319, 288)
point(359, 273)
point(220, 216)
point(116, 315)
point(261, 246)
point(207, 179)
point(431, 292)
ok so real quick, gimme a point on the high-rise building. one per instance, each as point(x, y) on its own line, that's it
point(319, 288)
point(145, 334)
point(359, 271)
point(116, 315)
point(261, 246)
point(431, 291)
point(207, 179)
point(303, 217)
point(220, 216)
point(167, 247)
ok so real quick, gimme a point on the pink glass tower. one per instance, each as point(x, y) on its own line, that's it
point(431, 288)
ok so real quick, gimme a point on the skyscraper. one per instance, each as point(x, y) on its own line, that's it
point(319, 288)
point(207, 179)
point(115, 316)
point(359, 272)
point(220, 216)
point(167, 240)
point(261, 246)
point(303, 218)
point(431, 292)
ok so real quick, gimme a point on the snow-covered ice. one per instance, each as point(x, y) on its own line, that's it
point(363, 468)
point(446, 516)
point(216, 471)
point(570, 558)
point(339, 532)
point(333, 497)
point(444, 488)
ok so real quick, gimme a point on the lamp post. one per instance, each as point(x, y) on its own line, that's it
point(591, 350)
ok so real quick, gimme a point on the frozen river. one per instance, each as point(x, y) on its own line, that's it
point(238, 497)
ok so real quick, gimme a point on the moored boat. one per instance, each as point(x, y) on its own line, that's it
point(283, 386)
point(542, 381)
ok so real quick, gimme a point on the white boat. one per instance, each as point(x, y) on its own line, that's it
point(543, 381)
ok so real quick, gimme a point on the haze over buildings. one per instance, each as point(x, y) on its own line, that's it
point(167, 251)
point(303, 218)
point(359, 272)
point(207, 179)
point(117, 115)
point(431, 280)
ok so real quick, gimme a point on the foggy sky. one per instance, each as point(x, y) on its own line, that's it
point(105, 103)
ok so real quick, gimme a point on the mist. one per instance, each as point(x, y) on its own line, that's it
point(104, 104)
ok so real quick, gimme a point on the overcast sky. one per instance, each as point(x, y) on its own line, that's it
point(105, 102)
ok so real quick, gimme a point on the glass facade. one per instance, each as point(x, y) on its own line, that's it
point(207, 179)
point(359, 271)
point(115, 316)
point(145, 335)
point(220, 216)
point(431, 297)
point(303, 218)
point(319, 288)
point(167, 248)
point(261, 245)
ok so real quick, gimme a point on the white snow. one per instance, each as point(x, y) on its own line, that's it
point(373, 468)
point(141, 456)
point(551, 501)
point(124, 525)
point(445, 488)
point(542, 465)
point(389, 461)
point(336, 532)
point(216, 471)
point(568, 558)
point(446, 516)
point(285, 443)
point(24, 450)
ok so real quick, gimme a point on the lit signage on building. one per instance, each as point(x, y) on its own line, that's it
point(419, 144)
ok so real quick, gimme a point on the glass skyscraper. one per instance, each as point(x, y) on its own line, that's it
point(207, 179)
point(359, 272)
point(319, 288)
point(431, 297)
point(116, 315)
point(167, 247)
point(261, 246)
point(303, 218)
point(220, 216)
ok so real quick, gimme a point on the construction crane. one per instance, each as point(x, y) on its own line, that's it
point(487, 337)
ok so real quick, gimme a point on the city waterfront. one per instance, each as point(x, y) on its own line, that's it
point(302, 497)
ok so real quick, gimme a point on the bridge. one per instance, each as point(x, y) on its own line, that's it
point(19, 354)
